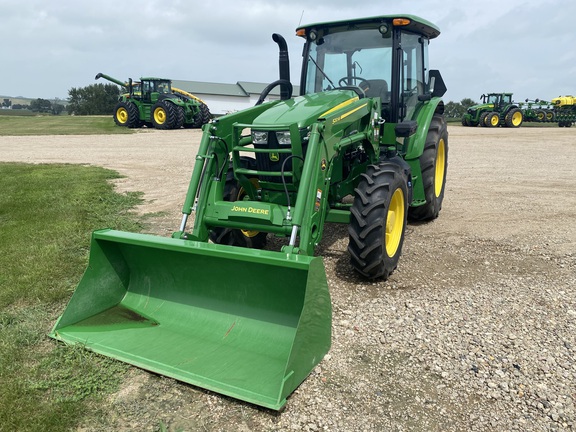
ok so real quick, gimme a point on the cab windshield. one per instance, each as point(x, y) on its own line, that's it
point(366, 58)
point(360, 58)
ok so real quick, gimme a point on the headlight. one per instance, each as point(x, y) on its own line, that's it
point(283, 138)
point(259, 137)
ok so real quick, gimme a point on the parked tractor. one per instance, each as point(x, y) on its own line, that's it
point(365, 144)
point(496, 109)
point(154, 102)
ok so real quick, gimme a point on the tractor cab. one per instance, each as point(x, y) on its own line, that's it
point(497, 99)
point(383, 57)
point(155, 89)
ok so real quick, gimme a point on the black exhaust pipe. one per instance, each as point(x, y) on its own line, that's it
point(284, 65)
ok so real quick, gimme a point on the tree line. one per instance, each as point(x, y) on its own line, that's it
point(95, 99)
point(39, 105)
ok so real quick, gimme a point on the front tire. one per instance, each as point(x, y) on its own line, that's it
point(492, 120)
point(233, 191)
point(433, 166)
point(378, 220)
point(163, 115)
point(126, 115)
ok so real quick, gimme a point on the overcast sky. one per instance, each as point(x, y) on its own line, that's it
point(527, 47)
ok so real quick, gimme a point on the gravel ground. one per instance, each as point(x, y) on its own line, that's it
point(475, 331)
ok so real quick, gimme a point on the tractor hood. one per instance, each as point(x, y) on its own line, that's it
point(475, 108)
point(305, 110)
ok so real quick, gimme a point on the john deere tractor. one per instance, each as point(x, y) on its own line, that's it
point(153, 102)
point(364, 144)
point(496, 109)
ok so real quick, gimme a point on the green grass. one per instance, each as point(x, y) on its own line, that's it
point(46, 215)
point(16, 113)
point(59, 125)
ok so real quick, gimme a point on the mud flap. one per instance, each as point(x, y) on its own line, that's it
point(246, 323)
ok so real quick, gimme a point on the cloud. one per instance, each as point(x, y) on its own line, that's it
point(49, 47)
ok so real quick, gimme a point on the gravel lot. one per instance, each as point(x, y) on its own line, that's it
point(475, 331)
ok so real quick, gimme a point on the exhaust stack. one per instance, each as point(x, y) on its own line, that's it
point(283, 64)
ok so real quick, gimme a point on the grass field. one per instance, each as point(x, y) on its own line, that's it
point(11, 125)
point(46, 215)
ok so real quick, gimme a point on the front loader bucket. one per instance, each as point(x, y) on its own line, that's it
point(246, 323)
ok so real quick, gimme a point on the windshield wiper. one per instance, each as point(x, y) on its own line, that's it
point(321, 71)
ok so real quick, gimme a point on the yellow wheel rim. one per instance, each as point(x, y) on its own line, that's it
point(440, 168)
point(122, 115)
point(516, 118)
point(243, 195)
point(394, 223)
point(159, 115)
point(494, 120)
point(250, 233)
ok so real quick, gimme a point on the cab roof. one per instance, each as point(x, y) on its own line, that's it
point(154, 79)
point(415, 24)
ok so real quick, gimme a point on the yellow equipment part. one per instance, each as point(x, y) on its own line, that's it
point(564, 100)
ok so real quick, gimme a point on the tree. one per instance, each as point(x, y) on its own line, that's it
point(7, 103)
point(454, 110)
point(41, 105)
point(57, 108)
point(467, 103)
point(95, 99)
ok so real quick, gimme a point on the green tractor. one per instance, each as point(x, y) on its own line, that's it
point(496, 109)
point(365, 144)
point(153, 102)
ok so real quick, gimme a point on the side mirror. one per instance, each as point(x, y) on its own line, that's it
point(437, 86)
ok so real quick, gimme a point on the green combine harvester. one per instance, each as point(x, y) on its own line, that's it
point(154, 102)
point(365, 144)
point(496, 109)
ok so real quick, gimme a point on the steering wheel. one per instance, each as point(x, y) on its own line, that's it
point(362, 83)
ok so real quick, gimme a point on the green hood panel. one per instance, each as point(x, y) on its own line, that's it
point(304, 110)
point(481, 106)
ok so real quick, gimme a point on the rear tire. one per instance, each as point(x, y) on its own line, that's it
point(202, 117)
point(126, 114)
point(514, 118)
point(433, 165)
point(233, 191)
point(378, 220)
point(482, 119)
point(180, 116)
